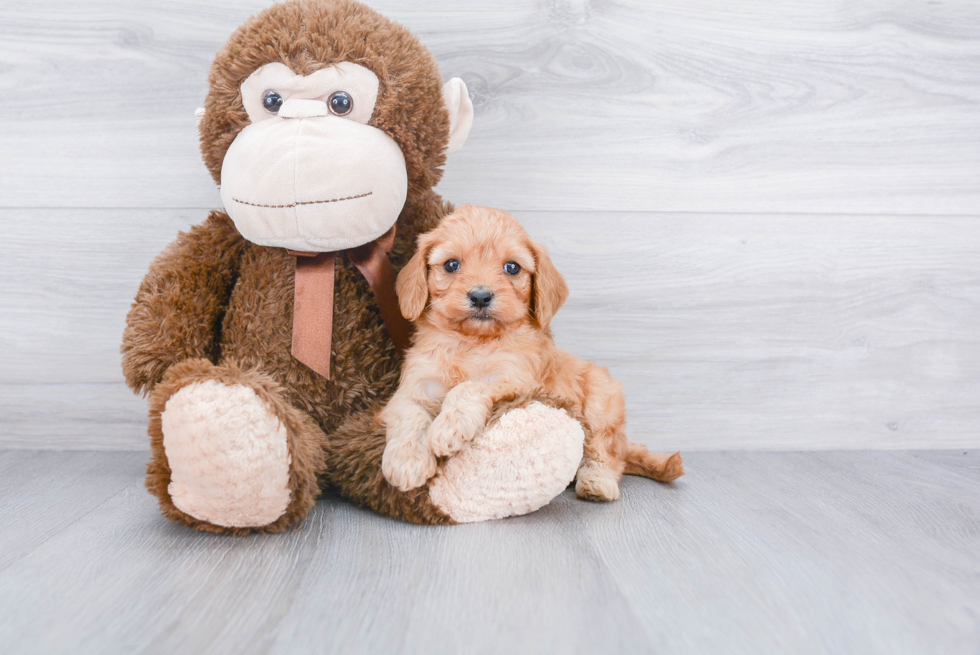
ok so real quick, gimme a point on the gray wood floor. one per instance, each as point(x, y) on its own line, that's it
point(833, 552)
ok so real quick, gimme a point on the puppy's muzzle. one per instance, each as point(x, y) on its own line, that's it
point(480, 298)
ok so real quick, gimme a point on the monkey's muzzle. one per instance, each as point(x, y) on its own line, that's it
point(309, 181)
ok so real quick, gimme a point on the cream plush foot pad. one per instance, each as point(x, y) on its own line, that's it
point(517, 466)
point(228, 454)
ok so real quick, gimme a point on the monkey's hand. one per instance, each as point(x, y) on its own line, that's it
point(180, 302)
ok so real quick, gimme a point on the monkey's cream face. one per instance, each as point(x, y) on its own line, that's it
point(309, 173)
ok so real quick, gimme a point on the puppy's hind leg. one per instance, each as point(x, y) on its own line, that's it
point(598, 480)
point(604, 459)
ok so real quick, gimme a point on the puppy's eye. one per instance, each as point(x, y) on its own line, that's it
point(512, 268)
point(451, 266)
point(340, 103)
point(272, 101)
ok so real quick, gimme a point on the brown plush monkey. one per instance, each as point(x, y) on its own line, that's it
point(264, 336)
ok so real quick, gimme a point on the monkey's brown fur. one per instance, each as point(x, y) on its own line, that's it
point(303, 434)
point(216, 307)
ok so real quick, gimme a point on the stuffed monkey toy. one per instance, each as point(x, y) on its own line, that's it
point(267, 337)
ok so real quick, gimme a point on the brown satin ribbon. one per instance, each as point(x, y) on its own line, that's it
point(313, 309)
point(373, 263)
point(313, 301)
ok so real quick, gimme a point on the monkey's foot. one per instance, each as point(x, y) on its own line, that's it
point(517, 465)
point(228, 443)
point(229, 464)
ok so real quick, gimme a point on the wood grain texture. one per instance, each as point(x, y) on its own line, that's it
point(785, 332)
point(791, 106)
point(752, 553)
point(808, 553)
point(67, 279)
point(44, 493)
point(72, 415)
point(778, 331)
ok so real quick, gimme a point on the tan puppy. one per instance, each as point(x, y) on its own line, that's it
point(482, 295)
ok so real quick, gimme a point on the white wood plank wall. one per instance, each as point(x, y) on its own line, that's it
point(768, 212)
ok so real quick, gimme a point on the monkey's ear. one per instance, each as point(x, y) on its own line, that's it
point(457, 100)
point(412, 284)
point(199, 114)
point(550, 289)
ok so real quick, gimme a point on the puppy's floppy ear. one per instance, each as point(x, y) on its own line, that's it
point(550, 290)
point(412, 285)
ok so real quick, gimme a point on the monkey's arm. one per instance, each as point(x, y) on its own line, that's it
point(181, 302)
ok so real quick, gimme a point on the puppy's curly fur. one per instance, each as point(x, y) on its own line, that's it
point(482, 295)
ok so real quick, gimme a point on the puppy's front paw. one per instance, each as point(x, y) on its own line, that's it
point(407, 464)
point(594, 483)
point(453, 429)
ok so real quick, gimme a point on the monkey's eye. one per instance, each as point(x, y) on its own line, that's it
point(272, 101)
point(340, 103)
point(451, 266)
point(512, 268)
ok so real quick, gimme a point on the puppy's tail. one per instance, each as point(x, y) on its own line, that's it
point(662, 468)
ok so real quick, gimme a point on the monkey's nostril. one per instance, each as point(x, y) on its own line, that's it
point(480, 297)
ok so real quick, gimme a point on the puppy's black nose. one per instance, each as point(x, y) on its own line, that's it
point(480, 297)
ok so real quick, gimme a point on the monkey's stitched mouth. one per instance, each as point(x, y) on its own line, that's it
point(308, 202)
